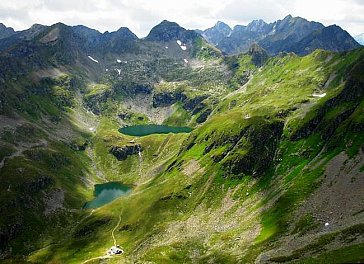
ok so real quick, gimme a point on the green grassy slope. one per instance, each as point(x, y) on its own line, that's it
point(243, 187)
point(234, 190)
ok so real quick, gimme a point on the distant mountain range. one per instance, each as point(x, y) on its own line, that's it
point(292, 34)
point(92, 41)
point(360, 38)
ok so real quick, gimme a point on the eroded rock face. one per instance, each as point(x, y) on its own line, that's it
point(132, 89)
point(193, 103)
point(167, 99)
point(261, 143)
point(121, 153)
point(251, 151)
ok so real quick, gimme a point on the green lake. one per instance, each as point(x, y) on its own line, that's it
point(144, 130)
point(106, 193)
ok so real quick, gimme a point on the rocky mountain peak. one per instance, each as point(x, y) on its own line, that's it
point(257, 25)
point(280, 36)
point(216, 33)
point(125, 33)
point(259, 55)
point(2, 26)
point(288, 17)
point(222, 26)
point(5, 31)
point(167, 31)
point(329, 38)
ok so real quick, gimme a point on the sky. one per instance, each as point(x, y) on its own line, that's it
point(141, 15)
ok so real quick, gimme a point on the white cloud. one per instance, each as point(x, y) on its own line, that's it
point(141, 15)
point(349, 14)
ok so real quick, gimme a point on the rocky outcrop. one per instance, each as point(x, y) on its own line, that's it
point(132, 89)
point(192, 103)
point(259, 55)
point(95, 102)
point(121, 153)
point(167, 99)
point(124, 116)
point(79, 146)
point(203, 116)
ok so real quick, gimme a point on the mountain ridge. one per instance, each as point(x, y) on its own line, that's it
point(279, 36)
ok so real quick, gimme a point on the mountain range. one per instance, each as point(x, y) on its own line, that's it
point(231, 157)
point(291, 34)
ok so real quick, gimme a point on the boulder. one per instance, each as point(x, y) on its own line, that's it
point(121, 153)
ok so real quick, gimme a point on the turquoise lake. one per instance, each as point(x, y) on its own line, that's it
point(106, 193)
point(144, 130)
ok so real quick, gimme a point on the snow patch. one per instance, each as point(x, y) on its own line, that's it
point(107, 69)
point(183, 47)
point(91, 129)
point(118, 61)
point(93, 59)
point(319, 95)
point(186, 61)
point(166, 47)
point(327, 224)
point(119, 71)
point(125, 61)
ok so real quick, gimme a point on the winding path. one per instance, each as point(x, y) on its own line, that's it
point(101, 257)
point(112, 232)
point(114, 239)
